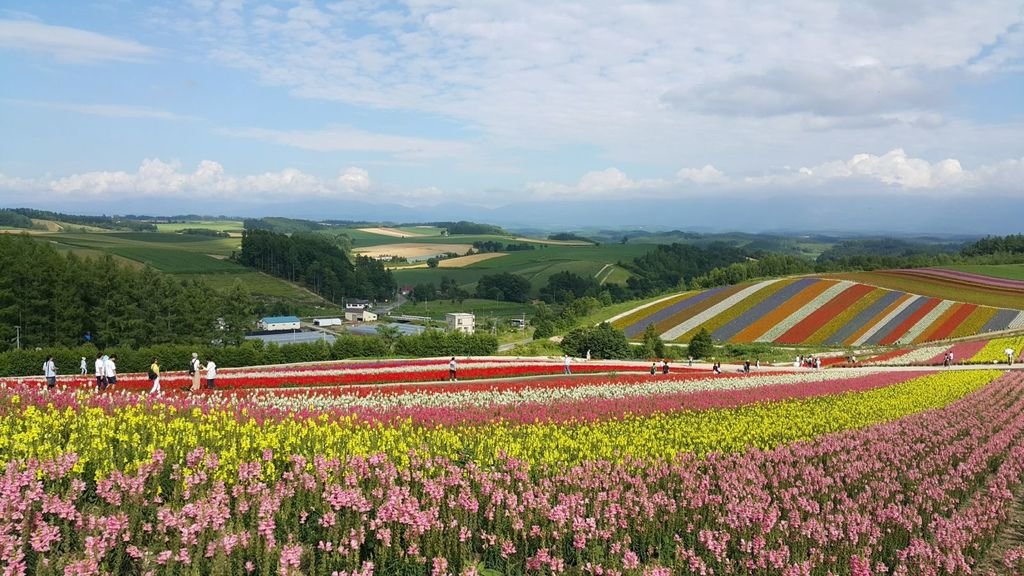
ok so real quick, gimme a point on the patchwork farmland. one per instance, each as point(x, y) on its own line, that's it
point(816, 311)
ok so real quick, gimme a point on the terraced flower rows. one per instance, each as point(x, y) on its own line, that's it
point(817, 311)
point(627, 475)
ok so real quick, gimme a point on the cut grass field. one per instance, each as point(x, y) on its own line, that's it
point(412, 250)
point(937, 288)
point(390, 232)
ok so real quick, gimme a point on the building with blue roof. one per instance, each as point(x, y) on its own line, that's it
point(280, 323)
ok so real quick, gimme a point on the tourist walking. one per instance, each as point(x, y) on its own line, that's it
point(452, 370)
point(1009, 356)
point(101, 373)
point(211, 372)
point(50, 372)
point(193, 372)
point(654, 368)
point(83, 367)
point(664, 366)
point(110, 371)
point(154, 377)
point(566, 364)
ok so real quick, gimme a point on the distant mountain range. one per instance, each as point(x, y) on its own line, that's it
point(775, 214)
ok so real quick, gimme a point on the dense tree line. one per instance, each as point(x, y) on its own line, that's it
point(1012, 244)
point(175, 357)
point(497, 246)
point(12, 219)
point(463, 227)
point(107, 222)
point(568, 237)
point(448, 290)
point(205, 232)
point(62, 300)
point(505, 286)
point(282, 225)
point(884, 248)
point(317, 262)
point(670, 266)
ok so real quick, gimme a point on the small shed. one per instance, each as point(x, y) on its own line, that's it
point(461, 322)
point(327, 321)
point(280, 323)
point(360, 316)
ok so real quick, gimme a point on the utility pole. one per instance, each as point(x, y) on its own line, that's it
point(17, 337)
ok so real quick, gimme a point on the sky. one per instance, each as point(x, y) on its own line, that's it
point(762, 115)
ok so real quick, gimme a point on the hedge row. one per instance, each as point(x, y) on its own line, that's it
point(251, 353)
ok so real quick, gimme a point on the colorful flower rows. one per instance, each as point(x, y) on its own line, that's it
point(819, 311)
point(118, 435)
point(334, 374)
point(916, 491)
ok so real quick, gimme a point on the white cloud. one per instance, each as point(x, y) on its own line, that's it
point(506, 69)
point(209, 181)
point(893, 168)
point(68, 44)
point(706, 175)
point(105, 110)
point(347, 139)
point(892, 171)
point(602, 183)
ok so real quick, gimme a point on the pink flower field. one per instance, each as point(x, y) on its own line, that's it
point(842, 471)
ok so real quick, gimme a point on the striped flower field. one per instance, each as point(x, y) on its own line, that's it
point(628, 474)
point(821, 311)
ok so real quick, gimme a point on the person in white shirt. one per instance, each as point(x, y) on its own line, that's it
point(452, 368)
point(110, 370)
point(565, 364)
point(101, 375)
point(193, 371)
point(50, 372)
point(211, 373)
point(84, 367)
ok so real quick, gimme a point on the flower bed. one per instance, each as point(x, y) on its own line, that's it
point(334, 374)
point(921, 494)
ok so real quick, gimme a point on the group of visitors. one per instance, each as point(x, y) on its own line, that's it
point(807, 362)
point(195, 366)
point(105, 369)
point(664, 367)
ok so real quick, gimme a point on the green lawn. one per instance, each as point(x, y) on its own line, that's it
point(1007, 271)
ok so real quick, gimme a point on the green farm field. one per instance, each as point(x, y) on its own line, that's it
point(187, 257)
point(537, 265)
point(1007, 271)
point(219, 225)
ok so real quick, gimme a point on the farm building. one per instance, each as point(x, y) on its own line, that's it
point(360, 316)
point(279, 323)
point(356, 305)
point(327, 321)
point(461, 322)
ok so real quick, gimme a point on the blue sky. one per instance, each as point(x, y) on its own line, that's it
point(242, 106)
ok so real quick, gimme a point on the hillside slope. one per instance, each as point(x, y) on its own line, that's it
point(815, 311)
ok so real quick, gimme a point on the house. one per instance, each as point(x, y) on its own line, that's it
point(280, 323)
point(356, 305)
point(360, 316)
point(461, 322)
point(327, 321)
